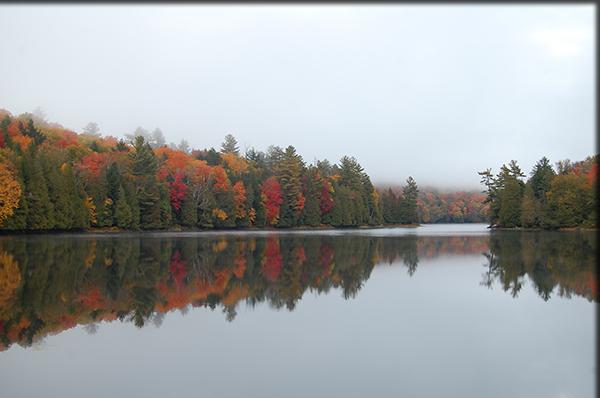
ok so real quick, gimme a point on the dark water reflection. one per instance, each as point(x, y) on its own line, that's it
point(52, 283)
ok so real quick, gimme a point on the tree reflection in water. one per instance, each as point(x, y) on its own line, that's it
point(52, 283)
point(565, 261)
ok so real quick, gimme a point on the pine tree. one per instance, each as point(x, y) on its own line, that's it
point(311, 214)
point(40, 213)
point(57, 191)
point(352, 177)
point(289, 172)
point(165, 207)
point(114, 181)
point(389, 202)
point(540, 181)
point(408, 205)
point(148, 194)
point(510, 195)
point(144, 162)
point(123, 216)
point(134, 205)
point(371, 199)
point(230, 145)
point(144, 167)
point(75, 197)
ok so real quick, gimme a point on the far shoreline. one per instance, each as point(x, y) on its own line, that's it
point(181, 229)
point(115, 230)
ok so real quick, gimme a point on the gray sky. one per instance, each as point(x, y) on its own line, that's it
point(436, 92)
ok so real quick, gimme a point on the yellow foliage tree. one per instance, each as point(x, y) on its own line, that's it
point(235, 163)
point(220, 214)
point(10, 192)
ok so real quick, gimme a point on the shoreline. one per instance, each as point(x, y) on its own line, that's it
point(563, 229)
point(115, 230)
point(182, 229)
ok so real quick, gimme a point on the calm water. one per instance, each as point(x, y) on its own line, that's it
point(436, 311)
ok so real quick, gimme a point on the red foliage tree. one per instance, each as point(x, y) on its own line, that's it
point(272, 199)
point(177, 190)
point(326, 202)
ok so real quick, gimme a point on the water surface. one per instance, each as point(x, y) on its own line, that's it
point(440, 310)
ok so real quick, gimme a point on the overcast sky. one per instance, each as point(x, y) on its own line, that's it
point(436, 92)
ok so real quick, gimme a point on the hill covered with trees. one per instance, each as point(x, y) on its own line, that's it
point(549, 199)
point(52, 178)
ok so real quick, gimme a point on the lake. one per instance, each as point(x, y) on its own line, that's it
point(434, 311)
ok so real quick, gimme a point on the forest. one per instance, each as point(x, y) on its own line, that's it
point(52, 178)
point(563, 198)
point(55, 179)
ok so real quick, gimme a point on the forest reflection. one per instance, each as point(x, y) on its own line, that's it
point(52, 283)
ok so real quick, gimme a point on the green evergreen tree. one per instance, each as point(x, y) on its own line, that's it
point(144, 161)
point(134, 205)
point(149, 197)
point(122, 213)
point(289, 173)
point(311, 214)
point(114, 181)
point(408, 205)
point(510, 195)
point(389, 204)
point(370, 197)
point(144, 167)
point(230, 145)
point(57, 191)
point(40, 213)
point(165, 207)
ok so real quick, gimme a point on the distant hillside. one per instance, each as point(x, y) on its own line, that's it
point(444, 206)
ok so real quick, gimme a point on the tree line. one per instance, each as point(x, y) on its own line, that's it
point(549, 198)
point(53, 178)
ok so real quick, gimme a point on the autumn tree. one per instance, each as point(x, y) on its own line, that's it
point(10, 192)
point(272, 199)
